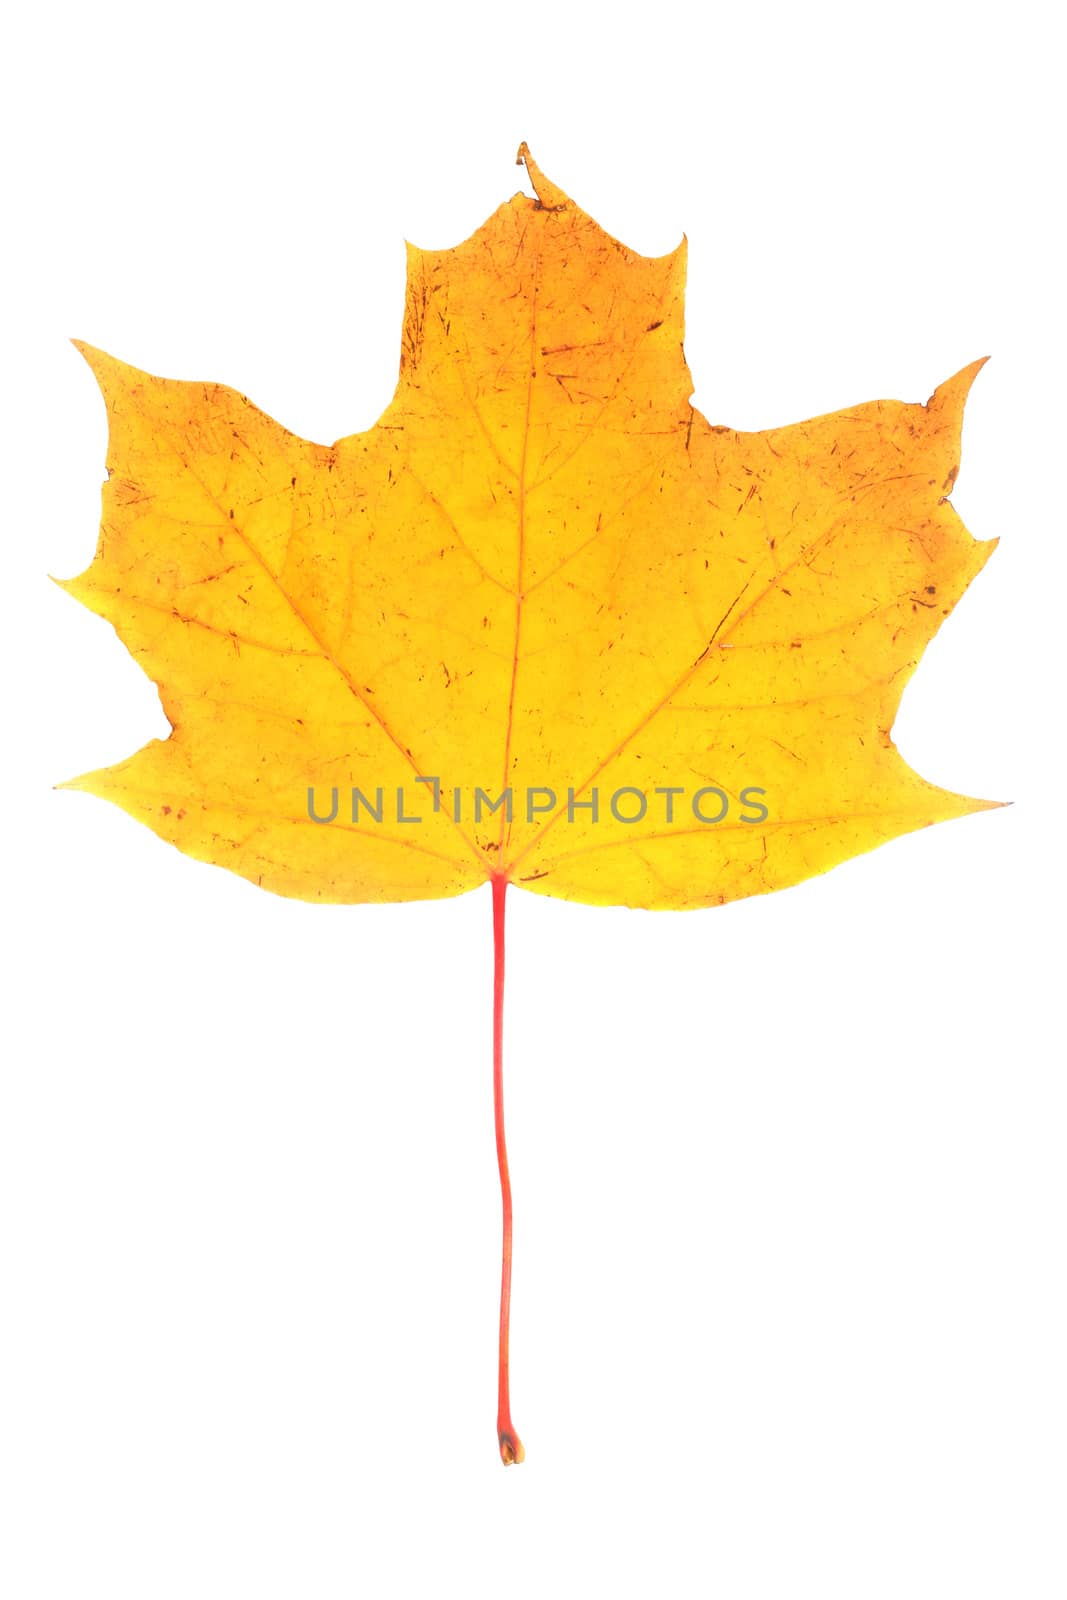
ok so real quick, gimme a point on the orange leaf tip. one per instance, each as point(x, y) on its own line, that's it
point(549, 197)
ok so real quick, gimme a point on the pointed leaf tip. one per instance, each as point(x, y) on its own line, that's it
point(549, 196)
point(958, 387)
point(98, 361)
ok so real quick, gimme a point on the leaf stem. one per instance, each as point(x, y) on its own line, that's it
point(511, 1450)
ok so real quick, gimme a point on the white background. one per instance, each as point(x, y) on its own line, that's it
point(789, 1309)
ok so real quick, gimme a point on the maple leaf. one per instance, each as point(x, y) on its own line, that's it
point(542, 624)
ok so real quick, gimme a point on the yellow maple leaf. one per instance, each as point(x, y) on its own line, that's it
point(541, 575)
point(542, 624)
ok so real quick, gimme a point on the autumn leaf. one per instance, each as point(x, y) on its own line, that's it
point(542, 624)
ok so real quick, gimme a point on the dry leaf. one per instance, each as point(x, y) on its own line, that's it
point(594, 645)
point(540, 570)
